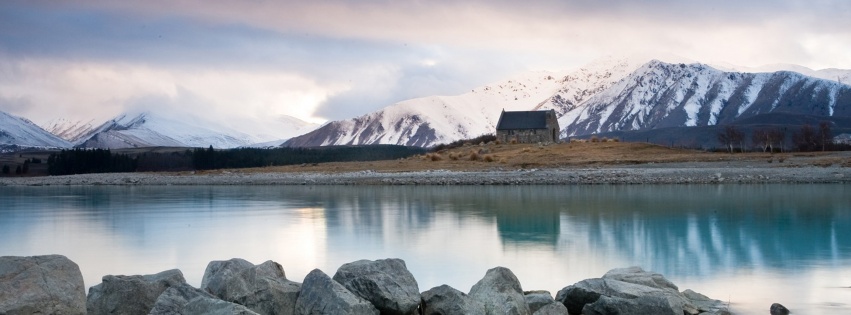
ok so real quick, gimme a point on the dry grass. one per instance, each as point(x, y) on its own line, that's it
point(574, 154)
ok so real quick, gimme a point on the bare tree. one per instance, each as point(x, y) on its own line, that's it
point(779, 136)
point(731, 136)
point(824, 136)
point(805, 138)
point(761, 138)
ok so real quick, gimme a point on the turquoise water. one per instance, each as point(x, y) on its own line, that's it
point(749, 245)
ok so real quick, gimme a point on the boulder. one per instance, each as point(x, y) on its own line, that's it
point(778, 309)
point(263, 288)
point(500, 292)
point(187, 300)
point(636, 275)
point(130, 294)
point(537, 299)
point(630, 286)
point(554, 308)
point(51, 284)
point(605, 305)
point(574, 297)
point(445, 300)
point(322, 295)
point(386, 283)
point(706, 305)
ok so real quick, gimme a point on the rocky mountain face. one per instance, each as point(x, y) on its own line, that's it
point(609, 95)
point(662, 95)
point(17, 131)
point(68, 129)
point(437, 119)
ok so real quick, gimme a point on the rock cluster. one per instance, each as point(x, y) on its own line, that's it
point(54, 285)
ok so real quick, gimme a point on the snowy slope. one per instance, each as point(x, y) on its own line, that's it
point(437, 119)
point(22, 132)
point(659, 95)
point(580, 85)
point(148, 129)
point(610, 94)
point(838, 75)
point(68, 129)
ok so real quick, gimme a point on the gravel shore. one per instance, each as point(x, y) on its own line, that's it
point(679, 173)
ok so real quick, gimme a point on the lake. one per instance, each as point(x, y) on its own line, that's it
point(749, 245)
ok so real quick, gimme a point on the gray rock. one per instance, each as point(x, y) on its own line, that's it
point(186, 300)
point(537, 299)
point(636, 275)
point(263, 288)
point(706, 305)
point(322, 295)
point(445, 300)
point(386, 283)
point(49, 284)
point(130, 294)
point(554, 308)
point(625, 284)
point(605, 305)
point(500, 292)
point(778, 309)
point(575, 297)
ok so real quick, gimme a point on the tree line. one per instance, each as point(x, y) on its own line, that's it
point(81, 161)
point(773, 139)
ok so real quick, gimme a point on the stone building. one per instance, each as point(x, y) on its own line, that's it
point(528, 127)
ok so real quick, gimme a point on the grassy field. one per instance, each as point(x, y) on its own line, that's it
point(515, 156)
point(587, 154)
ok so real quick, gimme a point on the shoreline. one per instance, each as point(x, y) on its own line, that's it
point(652, 173)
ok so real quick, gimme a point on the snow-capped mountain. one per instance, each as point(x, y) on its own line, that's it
point(580, 85)
point(838, 75)
point(68, 129)
point(610, 94)
point(148, 129)
point(436, 119)
point(22, 132)
point(660, 95)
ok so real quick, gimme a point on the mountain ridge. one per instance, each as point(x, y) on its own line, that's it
point(19, 131)
point(611, 94)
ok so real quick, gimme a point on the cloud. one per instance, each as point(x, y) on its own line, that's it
point(337, 59)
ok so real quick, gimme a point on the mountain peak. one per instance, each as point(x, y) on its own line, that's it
point(22, 132)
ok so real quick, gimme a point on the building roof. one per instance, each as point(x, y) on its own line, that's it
point(523, 120)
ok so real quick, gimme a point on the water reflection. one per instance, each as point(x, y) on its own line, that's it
point(774, 236)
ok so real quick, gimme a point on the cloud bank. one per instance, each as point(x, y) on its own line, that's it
point(320, 60)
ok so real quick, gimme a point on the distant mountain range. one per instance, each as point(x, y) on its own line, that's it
point(632, 98)
point(609, 95)
point(145, 129)
point(19, 131)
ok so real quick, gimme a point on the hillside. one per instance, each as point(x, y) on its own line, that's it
point(609, 95)
point(17, 131)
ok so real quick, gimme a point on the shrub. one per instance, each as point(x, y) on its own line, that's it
point(595, 139)
point(459, 143)
point(605, 139)
point(435, 157)
point(513, 140)
point(453, 157)
point(488, 158)
point(474, 156)
point(616, 140)
point(526, 150)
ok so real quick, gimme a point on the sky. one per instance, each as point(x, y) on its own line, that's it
point(255, 60)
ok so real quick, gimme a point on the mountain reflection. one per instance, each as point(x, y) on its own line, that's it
point(678, 230)
point(681, 230)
